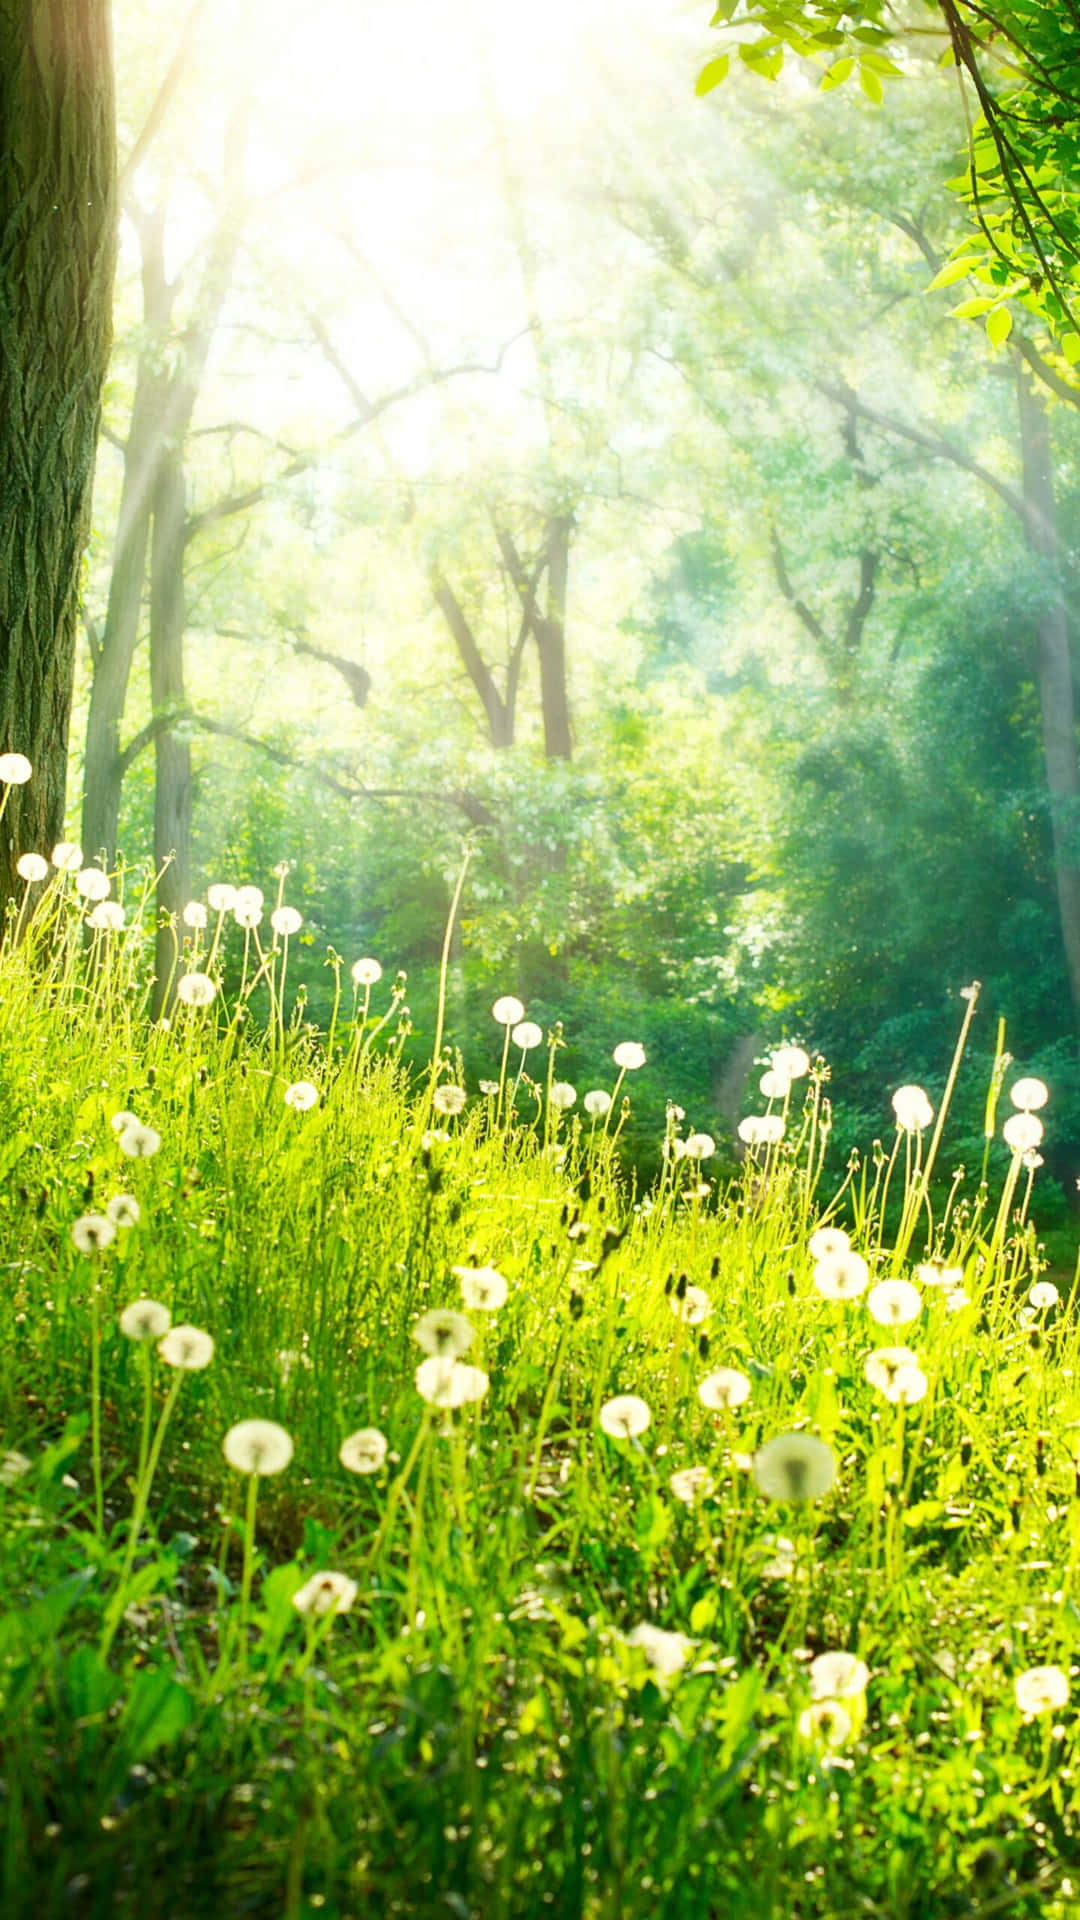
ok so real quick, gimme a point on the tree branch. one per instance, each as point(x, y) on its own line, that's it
point(162, 99)
point(933, 443)
point(783, 580)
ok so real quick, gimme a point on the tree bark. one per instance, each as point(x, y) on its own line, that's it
point(1054, 673)
point(172, 786)
point(57, 260)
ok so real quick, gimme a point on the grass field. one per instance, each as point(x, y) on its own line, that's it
point(602, 1639)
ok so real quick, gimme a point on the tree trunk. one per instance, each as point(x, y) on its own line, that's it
point(1055, 676)
point(172, 788)
point(57, 259)
point(550, 635)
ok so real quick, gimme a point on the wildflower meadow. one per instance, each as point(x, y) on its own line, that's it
point(404, 1511)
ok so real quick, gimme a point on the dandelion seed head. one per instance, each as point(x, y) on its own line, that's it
point(195, 915)
point(596, 1103)
point(363, 1451)
point(1022, 1132)
point(699, 1146)
point(825, 1722)
point(325, 1593)
point(302, 1095)
point(667, 1653)
point(483, 1289)
point(443, 1332)
point(448, 1098)
point(92, 884)
point(67, 856)
point(138, 1142)
point(562, 1095)
point(92, 1232)
point(13, 1465)
point(446, 1382)
point(624, 1416)
point(912, 1109)
point(1041, 1689)
point(794, 1466)
point(15, 769)
point(221, 897)
point(145, 1320)
point(508, 1010)
point(188, 1348)
point(694, 1307)
point(691, 1484)
point(196, 989)
point(841, 1276)
point(723, 1389)
point(489, 1088)
point(31, 866)
point(257, 1446)
point(882, 1366)
point(792, 1062)
point(527, 1035)
point(121, 1121)
point(122, 1210)
point(1044, 1294)
point(838, 1676)
point(761, 1130)
point(1029, 1094)
point(286, 920)
point(892, 1303)
point(774, 1084)
point(829, 1243)
point(107, 917)
point(366, 973)
point(629, 1055)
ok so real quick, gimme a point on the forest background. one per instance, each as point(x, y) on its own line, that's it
point(503, 443)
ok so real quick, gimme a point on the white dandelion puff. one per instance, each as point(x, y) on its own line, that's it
point(912, 1109)
point(625, 1416)
point(892, 1303)
point(196, 989)
point(302, 1095)
point(221, 896)
point(67, 856)
point(92, 1232)
point(527, 1035)
point(1029, 1094)
point(145, 1320)
point(761, 1130)
point(723, 1389)
point(366, 973)
point(107, 917)
point(828, 1243)
point(139, 1142)
point(92, 883)
point(121, 1121)
point(699, 1146)
point(13, 1465)
point(792, 1062)
point(15, 769)
point(1044, 1294)
point(448, 1098)
point(826, 1722)
point(596, 1103)
point(444, 1332)
point(447, 1382)
point(692, 1484)
point(1022, 1132)
point(841, 1276)
point(629, 1055)
point(325, 1593)
point(363, 1451)
point(195, 915)
point(774, 1084)
point(882, 1366)
point(31, 866)
point(838, 1676)
point(122, 1210)
point(667, 1653)
point(562, 1095)
point(694, 1306)
point(794, 1466)
point(1041, 1689)
point(483, 1289)
point(188, 1348)
point(508, 1010)
point(286, 920)
point(257, 1446)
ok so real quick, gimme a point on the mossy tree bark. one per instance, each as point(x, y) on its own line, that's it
point(57, 261)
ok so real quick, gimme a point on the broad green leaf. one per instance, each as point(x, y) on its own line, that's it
point(881, 64)
point(712, 74)
point(1070, 347)
point(835, 75)
point(971, 309)
point(999, 325)
point(158, 1709)
point(871, 86)
point(948, 275)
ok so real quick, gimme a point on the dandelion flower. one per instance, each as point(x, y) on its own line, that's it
point(892, 1303)
point(221, 897)
point(761, 1130)
point(691, 1484)
point(699, 1146)
point(882, 1366)
point(286, 920)
point(15, 769)
point(145, 1320)
point(447, 1382)
point(508, 1010)
point(725, 1388)
point(838, 1676)
point(67, 856)
point(443, 1332)
point(107, 917)
point(489, 1088)
point(629, 1055)
point(666, 1652)
point(247, 907)
point(562, 1095)
point(828, 1243)
point(92, 884)
point(841, 1276)
point(1022, 1132)
point(1044, 1294)
point(827, 1722)
point(1041, 1689)
point(195, 915)
point(596, 1103)
point(912, 1109)
point(363, 1451)
point(774, 1084)
point(625, 1416)
point(794, 1466)
point(325, 1593)
point(31, 866)
point(257, 1446)
point(195, 989)
point(122, 1210)
point(902, 1385)
point(483, 1289)
point(301, 1096)
point(188, 1348)
point(139, 1142)
point(121, 1121)
point(792, 1062)
point(92, 1232)
point(1029, 1094)
point(448, 1099)
point(694, 1307)
point(13, 1465)
point(1032, 1160)
point(366, 973)
point(527, 1035)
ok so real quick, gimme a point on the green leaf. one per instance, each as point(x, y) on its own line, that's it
point(712, 74)
point(871, 86)
point(881, 64)
point(1070, 347)
point(157, 1711)
point(948, 275)
point(971, 309)
point(835, 75)
point(999, 325)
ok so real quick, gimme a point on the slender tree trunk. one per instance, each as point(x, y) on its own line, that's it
point(172, 788)
point(550, 635)
point(497, 712)
point(1055, 675)
point(57, 259)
